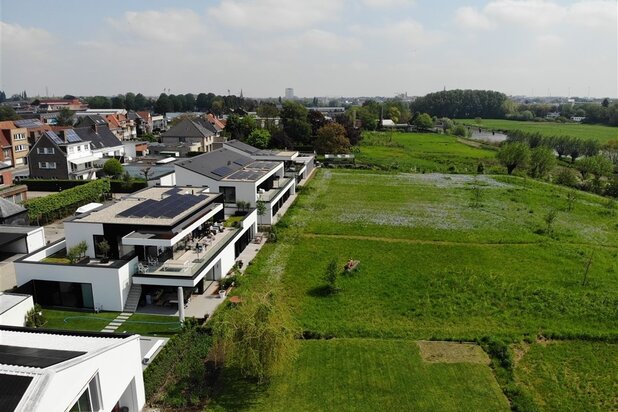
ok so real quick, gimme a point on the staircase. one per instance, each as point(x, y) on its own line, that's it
point(135, 293)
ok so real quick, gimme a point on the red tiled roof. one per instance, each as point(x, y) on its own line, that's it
point(4, 139)
point(7, 124)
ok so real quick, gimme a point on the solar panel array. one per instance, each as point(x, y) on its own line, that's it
point(246, 175)
point(169, 207)
point(71, 136)
point(54, 137)
point(243, 161)
point(28, 123)
point(222, 171)
point(34, 357)
point(263, 165)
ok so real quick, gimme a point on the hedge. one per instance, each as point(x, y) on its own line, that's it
point(58, 205)
point(57, 185)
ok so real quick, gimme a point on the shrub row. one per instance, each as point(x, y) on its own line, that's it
point(58, 205)
point(57, 185)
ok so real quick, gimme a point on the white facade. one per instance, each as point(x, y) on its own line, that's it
point(110, 285)
point(34, 240)
point(108, 374)
point(13, 308)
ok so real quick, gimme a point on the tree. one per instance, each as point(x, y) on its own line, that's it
point(259, 138)
point(129, 101)
point(598, 166)
point(118, 102)
point(2, 96)
point(202, 101)
point(8, 113)
point(99, 102)
point(163, 104)
point(113, 167)
point(141, 102)
point(295, 123)
point(267, 110)
point(423, 121)
point(610, 150)
point(514, 155)
point(65, 117)
point(189, 102)
point(257, 337)
point(317, 120)
point(332, 139)
point(576, 146)
point(549, 220)
point(330, 276)
point(542, 161)
point(605, 102)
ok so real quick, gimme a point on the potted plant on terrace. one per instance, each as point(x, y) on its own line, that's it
point(104, 248)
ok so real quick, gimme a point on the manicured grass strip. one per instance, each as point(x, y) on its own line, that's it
point(151, 325)
point(571, 375)
point(365, 375)
point(584, 131)
point(76, 320)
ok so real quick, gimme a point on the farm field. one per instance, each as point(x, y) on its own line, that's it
point(418, 152)
point(437, 263)
point(584, 131)
point(570, 376)
point(367, 375)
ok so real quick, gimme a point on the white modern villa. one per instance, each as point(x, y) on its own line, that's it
point(244, 173)
point(160, 239)
point(43, 370)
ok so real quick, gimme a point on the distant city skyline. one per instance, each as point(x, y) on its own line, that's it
point(316, 47)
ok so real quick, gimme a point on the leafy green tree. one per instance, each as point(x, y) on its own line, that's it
point(141, 102)
point(331, 138)
point(2, 96)
point(99, 102)
point(295, 123)
point(118, 102)
point(610, 150)
point(423, 121)
point(164, 104)
point(460, 130)
point(369, 120)
point(129, 101)
point(467, 104)
point(65, 117)
point(189, 102)
point(257, 337)
point(8, 113)
point(259, 138)
point(542, 162)
point(331, 275)
point(317, 120)
point(513, 156)
point(393, 113)
point(267, 109)
point(113, 167)
point(599, 166)
point(605, 102)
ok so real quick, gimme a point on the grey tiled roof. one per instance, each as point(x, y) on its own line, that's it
point(8, 208)
point(188, 128)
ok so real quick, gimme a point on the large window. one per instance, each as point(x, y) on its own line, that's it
point(45, 150)
point(90, 400)
point(47, 165)
point(229, 193)
point(64, 294)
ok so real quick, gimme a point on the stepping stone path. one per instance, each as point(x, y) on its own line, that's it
point(116, 323)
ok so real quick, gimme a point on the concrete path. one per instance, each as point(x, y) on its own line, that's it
point(116, 323)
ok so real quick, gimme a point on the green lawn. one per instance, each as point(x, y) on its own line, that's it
point(572, 376)
point(584, 131)
point(143, 324)
point(365, 375)
point(420, 152)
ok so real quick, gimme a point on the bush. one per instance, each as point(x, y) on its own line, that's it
point(35, 317)
point(59, 205)
point(113, 167)
point(566, 177)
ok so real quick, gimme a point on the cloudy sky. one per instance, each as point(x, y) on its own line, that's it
point(318, 47)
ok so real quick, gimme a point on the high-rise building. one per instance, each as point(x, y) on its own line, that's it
point(289, 93)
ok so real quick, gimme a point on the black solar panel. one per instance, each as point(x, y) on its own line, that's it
point(173, 191)
point(246, 175)
point(243, 161)
point(263, 165)
point(138, 210)
point(34, 357)
point(55, 138)
point(71, 136)
point(28, 123)
point(169, 207)
point(12, 389)
point(222, 171)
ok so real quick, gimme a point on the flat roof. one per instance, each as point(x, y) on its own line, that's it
point(8, 300)
point(159, 205)
point(12, 389)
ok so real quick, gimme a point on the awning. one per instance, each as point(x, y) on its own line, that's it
point(82, 160)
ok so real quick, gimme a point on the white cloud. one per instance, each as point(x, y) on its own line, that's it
point(160, 26)
point(15, 36)
point(468, 17)
point(405, 32)
point(538, 14)
point(387, 3)
point(268, 15)
point(549, 41)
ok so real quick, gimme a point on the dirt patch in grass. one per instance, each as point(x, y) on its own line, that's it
point(452, 352)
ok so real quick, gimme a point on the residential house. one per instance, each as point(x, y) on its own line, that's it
point(35, 128)
point(52, 105)
point(241, 179)
point(104, 144)
point(158, 123)
point(62, 156)
point(144, 123)
point(160, 238)
point(191, 131)
point(17, 137)
point(12, 213)
point(44, 370)
point(13, 310)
